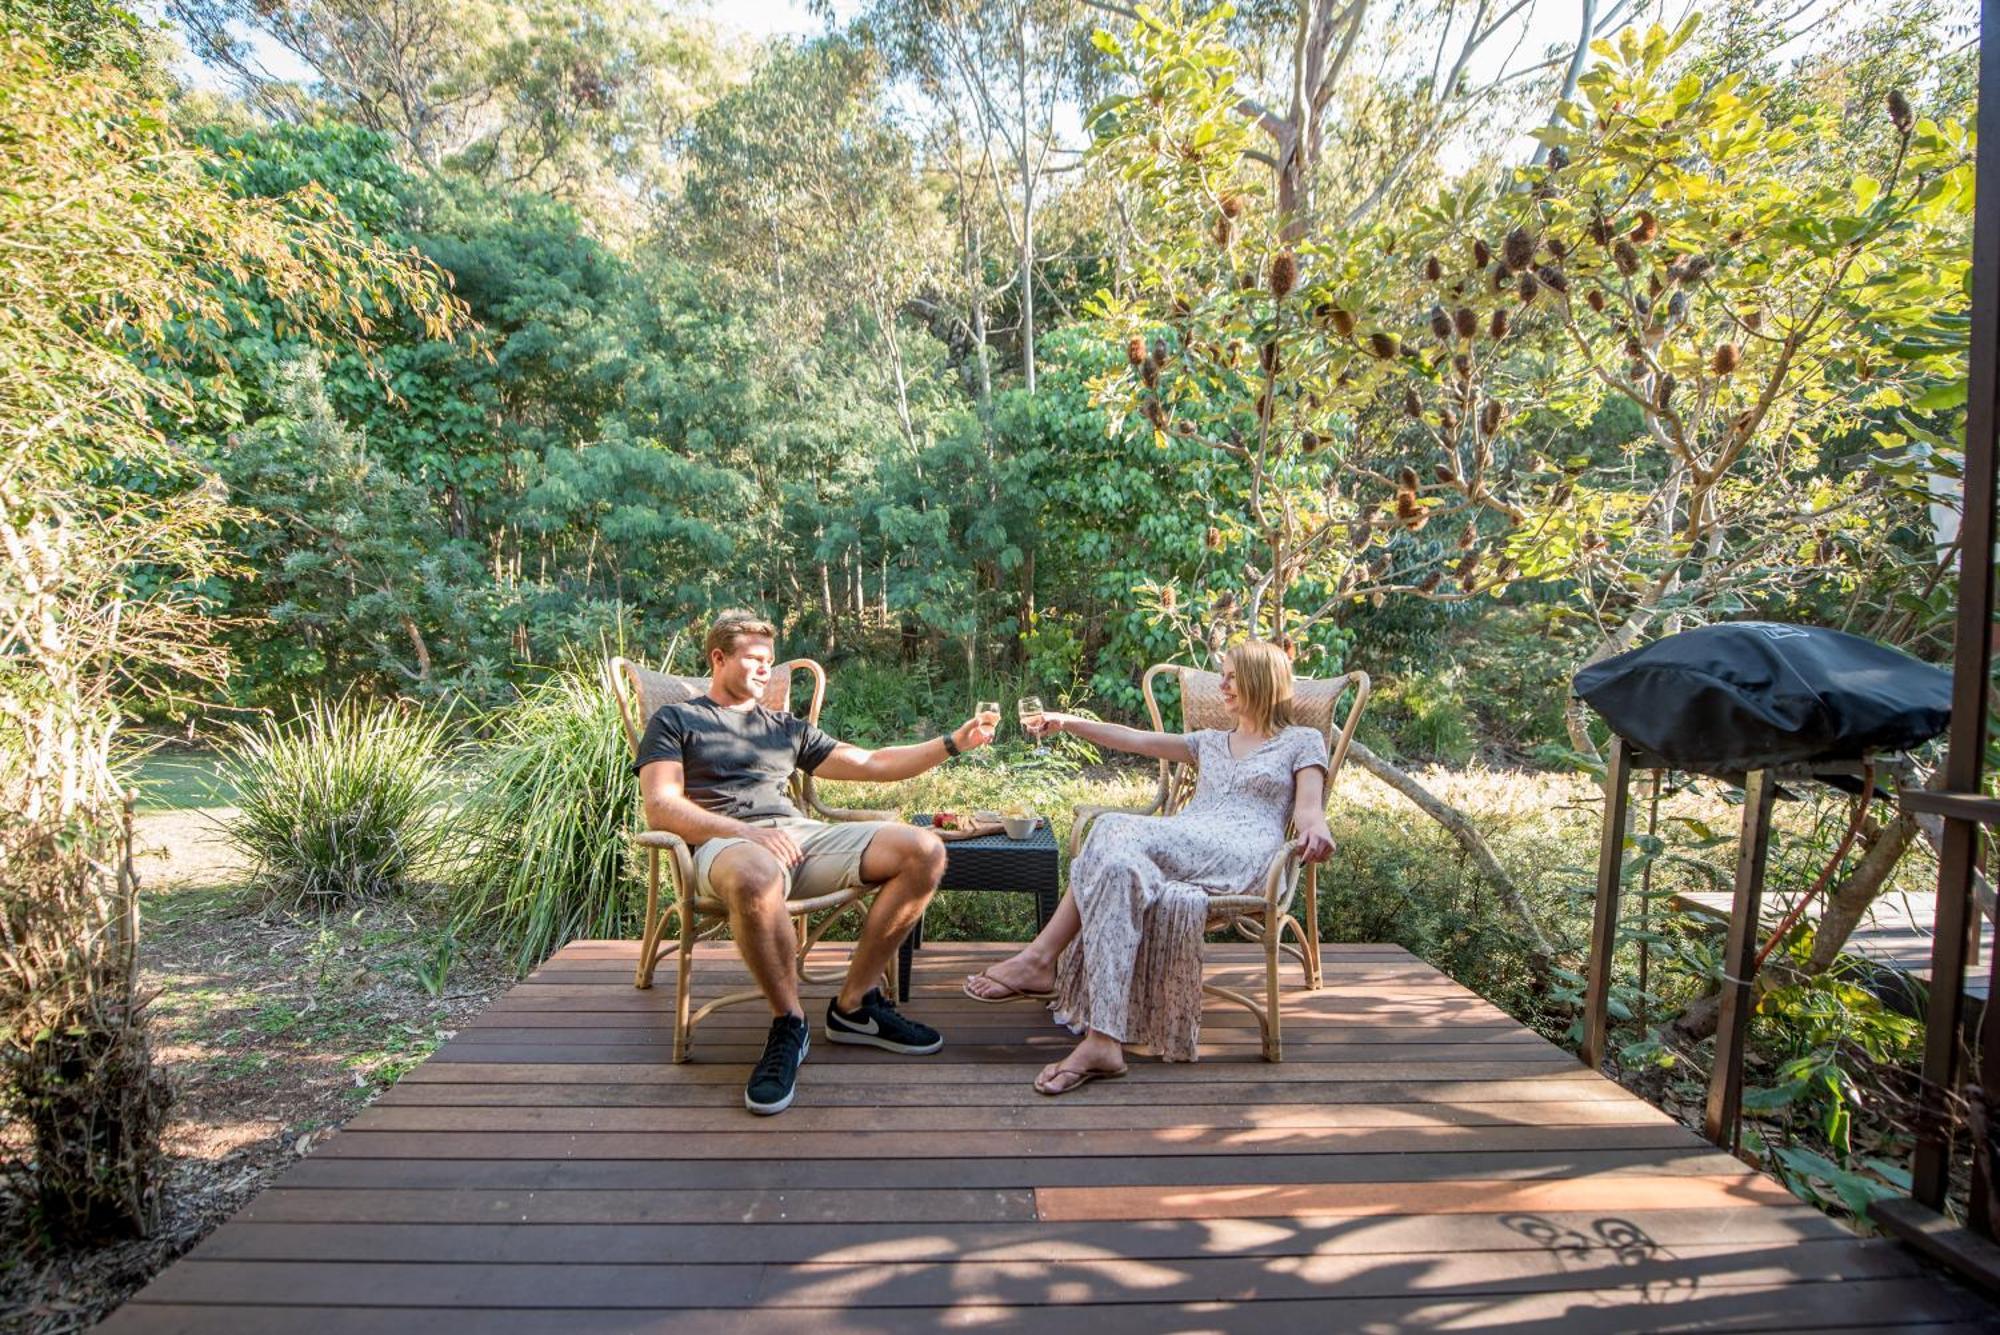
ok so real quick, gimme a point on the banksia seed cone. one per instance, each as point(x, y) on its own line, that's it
point(1467, 536)
point(1284, 274)
point(1413, 407)
point(1263, 406)
point(1663, 396)
point(1900, 114)
point(1467, 321)
point(1232, 205)
point(1490, 416)
point(1406, 478)
point(1518, 250)
point(1462, 364)
point(1135, 349)
point(1445, 472)
point(1558, 158)
point(1497, 326)
point(1695, 268)
point(1507, 568)
point(1753, 320)
point(1553, 277)
point(1149, 372)
point(1482, 254)
point(1224, 233)
point(1430, 581)
point(1600, 230)
point(1168, 598)
point(1433, 271)
point(1212, 539)
point(1384, 346)
point(1343, 322)
point(1626, 258)
point(1595, 299)
point(1440, 323)
point(1555, 247)
point(1159, 352)
point(1677, 307)
point(1726, 359)
point(1646, 228)
point(1526, 286)
point(1267, 357)
point(1468, 572)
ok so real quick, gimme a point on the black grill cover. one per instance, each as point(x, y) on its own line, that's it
point(1758, 694)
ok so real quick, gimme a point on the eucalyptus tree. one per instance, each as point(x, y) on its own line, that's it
point(1001, 73)
point(583, 98)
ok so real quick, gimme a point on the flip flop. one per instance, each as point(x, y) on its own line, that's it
point(1007, 995)
point(1082, 1078)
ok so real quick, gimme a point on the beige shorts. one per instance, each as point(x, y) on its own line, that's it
point(832, 855)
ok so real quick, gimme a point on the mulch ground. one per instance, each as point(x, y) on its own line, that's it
point(275, 1028)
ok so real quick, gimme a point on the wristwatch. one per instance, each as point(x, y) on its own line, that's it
point(950, 747)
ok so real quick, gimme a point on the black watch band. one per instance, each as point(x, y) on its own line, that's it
point(950, 747)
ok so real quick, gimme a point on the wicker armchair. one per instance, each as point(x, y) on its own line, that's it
point(1263, 916)
point(640, 693)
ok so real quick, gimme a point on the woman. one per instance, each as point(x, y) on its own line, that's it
point(1139, 888)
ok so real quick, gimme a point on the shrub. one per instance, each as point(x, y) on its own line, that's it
point(553, 800)
point(345, 802)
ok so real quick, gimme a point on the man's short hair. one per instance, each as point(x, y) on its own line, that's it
point(732, 624)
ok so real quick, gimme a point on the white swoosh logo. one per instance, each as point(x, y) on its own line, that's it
point(873, 1026)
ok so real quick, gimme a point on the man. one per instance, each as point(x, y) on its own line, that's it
point(713, 771)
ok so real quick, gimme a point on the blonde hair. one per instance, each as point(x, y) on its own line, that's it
point(1263, 684)
point(733, 624)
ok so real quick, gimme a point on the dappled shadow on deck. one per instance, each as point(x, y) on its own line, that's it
point(1419, 1161)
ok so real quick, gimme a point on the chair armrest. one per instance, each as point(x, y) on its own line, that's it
point(815, 807)
point(1085, 816)
point(1281, 880)
point(680, 858)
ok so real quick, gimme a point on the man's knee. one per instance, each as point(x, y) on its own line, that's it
point(929, 854)
point(746, 876)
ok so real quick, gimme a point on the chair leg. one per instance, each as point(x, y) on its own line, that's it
point(1273, 1042)
point(1309, 936)
point(649, 940)
point(683, 984)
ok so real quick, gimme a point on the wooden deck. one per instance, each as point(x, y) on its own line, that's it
point(1897, 931)
point(1419, 1161)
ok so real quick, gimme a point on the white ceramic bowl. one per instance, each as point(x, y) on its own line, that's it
point(1020, 827)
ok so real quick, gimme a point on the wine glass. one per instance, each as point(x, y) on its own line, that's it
point(987, 712)
point(1030, 710)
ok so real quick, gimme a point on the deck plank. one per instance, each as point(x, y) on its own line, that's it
point(1418, 1160)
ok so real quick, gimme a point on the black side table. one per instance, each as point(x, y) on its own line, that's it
point(992, 862)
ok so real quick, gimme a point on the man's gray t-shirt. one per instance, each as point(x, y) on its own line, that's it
point(734, 762)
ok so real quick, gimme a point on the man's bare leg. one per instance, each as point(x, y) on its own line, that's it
point(907, 862)
point(750, 881)
point(1033, 969)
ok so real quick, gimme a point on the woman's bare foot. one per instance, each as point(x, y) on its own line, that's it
point(1014, 976)
point(1097, 1056)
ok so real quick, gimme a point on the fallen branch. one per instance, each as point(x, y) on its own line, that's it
point(1467, 836)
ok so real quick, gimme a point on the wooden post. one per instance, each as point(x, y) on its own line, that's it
point(1604, 921)
point(1739, 961)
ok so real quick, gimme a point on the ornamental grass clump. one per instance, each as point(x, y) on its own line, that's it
point(348, 801)
point(548, 817)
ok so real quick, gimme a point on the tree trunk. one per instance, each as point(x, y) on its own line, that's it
point(1467, 836)
point(826, 602)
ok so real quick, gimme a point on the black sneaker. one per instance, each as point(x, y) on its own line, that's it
point(776, 1078)
point(875, 1023)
